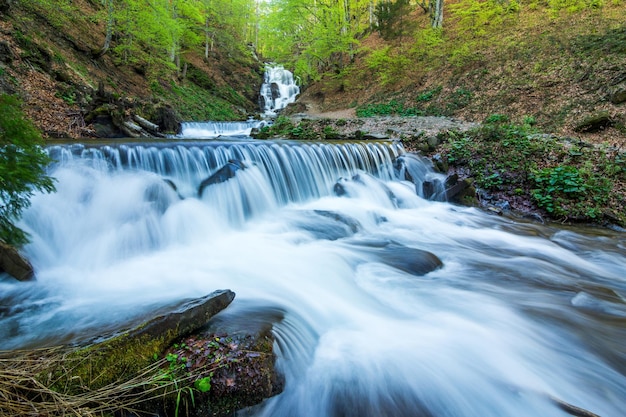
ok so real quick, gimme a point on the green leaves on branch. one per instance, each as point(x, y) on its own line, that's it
point(22, 168)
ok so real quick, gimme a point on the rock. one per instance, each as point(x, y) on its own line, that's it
point(223, 174)
point(594, 123)
point(411, 260)
point(245, 335)
point(375, 136)
point(460, 191)
point(15, 264)
point(127, 354)
point(618, 94)
point(167, 119)
point(329, 225)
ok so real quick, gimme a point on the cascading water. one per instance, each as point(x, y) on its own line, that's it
point(210, 130)
point(517, 315)
point(278, 90)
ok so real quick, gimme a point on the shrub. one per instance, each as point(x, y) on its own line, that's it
point(22, 168)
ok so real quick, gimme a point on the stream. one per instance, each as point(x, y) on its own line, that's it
point(392, 304)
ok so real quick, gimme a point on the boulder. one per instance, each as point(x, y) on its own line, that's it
point(594, 123)
point(15, 264)
point(223, 174)
point(410, 260)
point(244, 336)
point(460, 191)
point(128, 353)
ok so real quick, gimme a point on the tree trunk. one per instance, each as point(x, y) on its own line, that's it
point(436, 17)
point(109, 32)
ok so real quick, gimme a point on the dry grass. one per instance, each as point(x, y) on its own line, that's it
point(35, 383)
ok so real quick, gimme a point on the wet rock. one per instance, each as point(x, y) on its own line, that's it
point(328, 225)
point(127, 354)
point(244, 336)
point(594, 123)
point(161, 195)
point(460, 191)
point(167, 119)
point(410, 260)
point(223, 174)
point(15, 264)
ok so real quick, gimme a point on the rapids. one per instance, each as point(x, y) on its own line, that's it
point(519, 313)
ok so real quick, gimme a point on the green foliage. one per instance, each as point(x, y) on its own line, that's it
point(568, 182)
point(203, 384)
point(390, 18)
point(22, 168)
point(388, 64)
point(475, 16)
point(393, 107)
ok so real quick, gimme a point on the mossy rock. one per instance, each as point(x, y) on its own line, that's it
point(125, 355)
point(594, 123)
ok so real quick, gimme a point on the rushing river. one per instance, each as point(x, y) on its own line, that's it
point(517, 315)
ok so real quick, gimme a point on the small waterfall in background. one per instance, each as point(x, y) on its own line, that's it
point(211, 130)
point(278, 90)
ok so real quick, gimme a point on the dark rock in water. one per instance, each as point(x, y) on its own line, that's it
point(275, 90)
point(15, 264)
point(460, 191)
point(162, 195)
point(223, 174)
point(328, 225)
point(339, 188)
point(411, 260)
point(594, 123)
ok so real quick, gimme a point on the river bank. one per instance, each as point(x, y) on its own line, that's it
point(514, 167)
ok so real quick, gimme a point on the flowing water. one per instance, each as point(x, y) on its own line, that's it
point(335, 237)
point(212, 129)
point(278, 90)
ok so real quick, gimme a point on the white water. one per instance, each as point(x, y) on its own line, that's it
point(278, 90)
point(211, 130)
point(518, 313)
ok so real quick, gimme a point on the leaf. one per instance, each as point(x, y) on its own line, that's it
point(203, 384)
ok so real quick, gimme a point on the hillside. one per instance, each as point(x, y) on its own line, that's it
point(554, 68)
point(50, 56)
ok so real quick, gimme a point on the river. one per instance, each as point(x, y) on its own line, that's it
point(336, 238)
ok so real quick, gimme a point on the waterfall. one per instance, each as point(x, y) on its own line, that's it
point(278, 90)
point(394, 304)
point(209, 130)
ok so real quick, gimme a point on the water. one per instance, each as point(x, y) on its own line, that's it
point(519, 313)
point(278, 90)
point(211, 129)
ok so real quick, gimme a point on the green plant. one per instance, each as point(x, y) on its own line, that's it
point(23, 165)
point(557, 187)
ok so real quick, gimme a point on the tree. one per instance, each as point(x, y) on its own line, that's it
point(434, 8)
point(22, 168)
